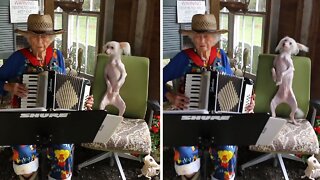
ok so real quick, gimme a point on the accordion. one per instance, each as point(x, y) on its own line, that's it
point(218, 92)
point(51, 90)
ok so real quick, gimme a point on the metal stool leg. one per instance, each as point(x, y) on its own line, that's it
point(283, 167)
point(119, 166)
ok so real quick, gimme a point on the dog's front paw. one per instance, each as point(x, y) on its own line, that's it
point(274, 75)
point(278, 83)
point(302, 177)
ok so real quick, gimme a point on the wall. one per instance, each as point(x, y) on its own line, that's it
point(7, 45)
point(314, 46)
point(298, 19)
point(137, 22)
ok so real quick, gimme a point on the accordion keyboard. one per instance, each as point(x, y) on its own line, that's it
point(192, 90)
point(31, 82)
point(197, 89)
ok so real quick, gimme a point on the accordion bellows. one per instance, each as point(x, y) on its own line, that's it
point(66, 96)
point(229, 93)
point(68, 92)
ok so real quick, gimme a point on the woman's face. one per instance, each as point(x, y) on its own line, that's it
point(203, 41)
point(40, 42)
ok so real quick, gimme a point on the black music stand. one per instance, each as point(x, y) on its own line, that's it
point(207, 130)
point(56, 127)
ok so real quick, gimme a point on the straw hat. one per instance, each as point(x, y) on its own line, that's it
point(39, 24)
point(203, 23)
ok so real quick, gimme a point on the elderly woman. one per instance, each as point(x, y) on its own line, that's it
point(40, 56)
point(204, 56)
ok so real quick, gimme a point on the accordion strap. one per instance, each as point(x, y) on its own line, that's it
point(196, 58)
point(33, 60)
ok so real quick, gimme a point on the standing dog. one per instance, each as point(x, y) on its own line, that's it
point(115, 75)
point(282, 74)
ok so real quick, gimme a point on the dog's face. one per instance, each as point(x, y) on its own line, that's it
point(148, 160)
point(289, 45)
point(112, 48)
point(313, 162)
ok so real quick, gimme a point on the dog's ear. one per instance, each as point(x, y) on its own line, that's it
point(302, 47)
point(147, 157)
point(126, 48)
point(295, 49)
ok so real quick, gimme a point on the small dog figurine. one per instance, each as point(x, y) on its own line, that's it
point(115, 75)
point(150, 168)
point(282, 74)
point(313, 169)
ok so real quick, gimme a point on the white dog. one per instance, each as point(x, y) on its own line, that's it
point(115, 75)
point(313, 169)
point(150, 168)
point(282, 73)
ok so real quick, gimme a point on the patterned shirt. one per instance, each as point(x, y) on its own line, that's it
point(23, 61)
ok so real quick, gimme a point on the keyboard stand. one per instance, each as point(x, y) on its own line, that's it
point(194, 111)
point(209, 130)
point(42, 146)
point(43, 128)
point(203, 149)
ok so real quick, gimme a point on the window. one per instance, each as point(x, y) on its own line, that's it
point(246, 31)
point(81, 33)
point(173, 41)
point(20, 41)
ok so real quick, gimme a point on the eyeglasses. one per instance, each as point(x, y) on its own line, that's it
point(42, 36)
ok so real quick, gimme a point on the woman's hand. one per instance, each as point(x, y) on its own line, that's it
point(17, 89)
point(89, 102)
point(249, 109)
point(179, 101)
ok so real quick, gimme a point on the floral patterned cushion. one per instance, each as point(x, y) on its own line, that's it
point(131, 136)
point(295, 139)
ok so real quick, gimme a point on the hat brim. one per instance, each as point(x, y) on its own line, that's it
point(190, 32)
point(54, 32)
